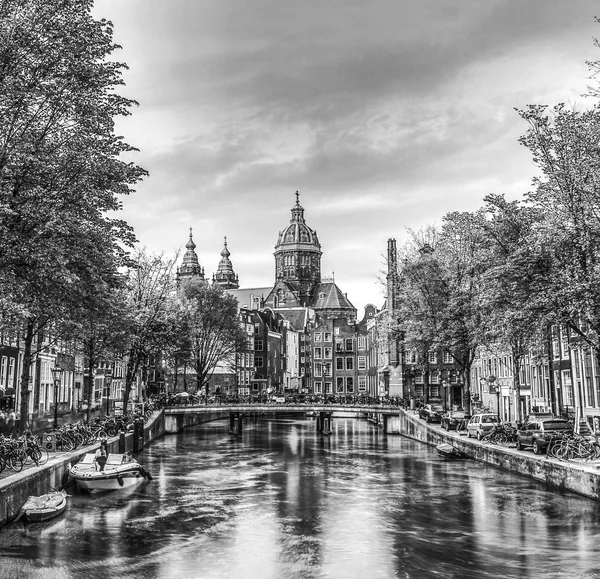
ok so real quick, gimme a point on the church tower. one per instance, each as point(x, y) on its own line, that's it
point(225, 276)
point(297, 258)
point(190, 268)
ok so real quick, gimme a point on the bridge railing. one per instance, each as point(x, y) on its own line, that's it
point(358, 401)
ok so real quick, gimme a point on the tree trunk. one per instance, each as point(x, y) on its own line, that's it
point(24, 394)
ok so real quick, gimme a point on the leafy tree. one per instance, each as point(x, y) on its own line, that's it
point(215, 330)
point(565, 147)
point(461, 264)
point(419, 301)
point(152, 313)
point(60, 166)
point(514, 279)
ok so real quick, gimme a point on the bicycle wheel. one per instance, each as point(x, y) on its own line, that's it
point(66, 444)
point(15, 461)
point(42, 455)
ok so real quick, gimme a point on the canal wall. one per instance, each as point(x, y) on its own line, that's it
point(177, 422)
point(581, 478)
point(35, 481)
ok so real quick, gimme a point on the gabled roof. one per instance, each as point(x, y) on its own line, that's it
point(328, 296)
point(298, 317)
point(250, 298)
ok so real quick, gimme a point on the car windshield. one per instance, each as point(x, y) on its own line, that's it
point(489, 419)
point(437, 408)
point(457, 414)
point(556, 425)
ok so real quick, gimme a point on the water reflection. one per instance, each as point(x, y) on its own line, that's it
point(283, 502)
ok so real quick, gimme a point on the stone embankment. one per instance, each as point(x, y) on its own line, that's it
point(580, 477)
point(35, 481)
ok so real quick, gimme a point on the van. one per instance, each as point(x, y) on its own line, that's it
point(481, 424)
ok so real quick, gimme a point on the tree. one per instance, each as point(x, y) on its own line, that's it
point(461, 264)
point(514, 278)
point(215, 330)
point(60, 166)
point(565, 145)
point(419, 301)
point(152, 314)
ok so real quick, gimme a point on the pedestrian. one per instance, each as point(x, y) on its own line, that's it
point(10, 421)
point(102, 454)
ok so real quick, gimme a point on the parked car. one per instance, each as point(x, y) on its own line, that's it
point(480, 424)
point(538, 433)
point(451, 420)
point(431, 412)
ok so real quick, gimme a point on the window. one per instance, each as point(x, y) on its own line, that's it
point(328, 352)
point(432, 357)
point(318, 369)
point(339, 384)
point(258, 361)
point(412, 357)
point(362, 343)
point(349, 345)
point(255, 387)
point(302, 360)
point(362, 362)
point(418, 378)
point(3, 370)
point(339, 363)
point(11, 372)
point(349, 384)
point(318, 387)
point(256, 328)
point(362, 383)
point(258, 345)
point(339, 345)
point(321, 295)
point(567, 387)
point(327, 368)
point(336, 331)
point(318, 353)
point(328, 387)
point(349, 363)
point(447, 357)
point(327, 337)
point(318, 337)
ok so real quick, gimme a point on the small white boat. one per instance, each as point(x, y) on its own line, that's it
point(120, 471)
point(44, 507)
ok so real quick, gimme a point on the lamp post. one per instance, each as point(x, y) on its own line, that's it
point(107, 382)
point(56, 374)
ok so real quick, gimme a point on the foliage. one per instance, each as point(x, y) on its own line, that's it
point(215, 331)
point(60, 171)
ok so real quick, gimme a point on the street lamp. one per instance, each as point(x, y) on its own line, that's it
point(56, 374)
point(107, 382)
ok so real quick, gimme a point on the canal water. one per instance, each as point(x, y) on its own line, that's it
point(283, 502)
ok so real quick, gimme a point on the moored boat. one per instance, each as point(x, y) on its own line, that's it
point(448, 451)
point(120, 471)
point(44, 507)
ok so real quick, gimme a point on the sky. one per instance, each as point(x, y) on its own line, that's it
point(383, 114)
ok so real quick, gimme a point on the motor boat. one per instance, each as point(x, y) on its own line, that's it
point(44, 507)
point(449, 451)
point(119, 471)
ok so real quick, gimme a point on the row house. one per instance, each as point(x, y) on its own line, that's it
point(558, 375)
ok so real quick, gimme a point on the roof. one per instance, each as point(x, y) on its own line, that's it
point(328, 296)
point(250, 298)
point(298, 317)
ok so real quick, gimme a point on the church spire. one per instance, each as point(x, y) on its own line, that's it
point(190, 267)
point(225, 276)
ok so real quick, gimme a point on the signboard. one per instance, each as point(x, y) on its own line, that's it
point(119, 408)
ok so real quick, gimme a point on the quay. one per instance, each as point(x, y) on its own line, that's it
point(580, 477)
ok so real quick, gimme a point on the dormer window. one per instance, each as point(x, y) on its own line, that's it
point(321, 295)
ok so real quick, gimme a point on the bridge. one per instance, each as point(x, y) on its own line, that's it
point(179, 417)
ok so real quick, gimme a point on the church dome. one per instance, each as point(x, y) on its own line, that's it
point(297, 232)
point(298, 252)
